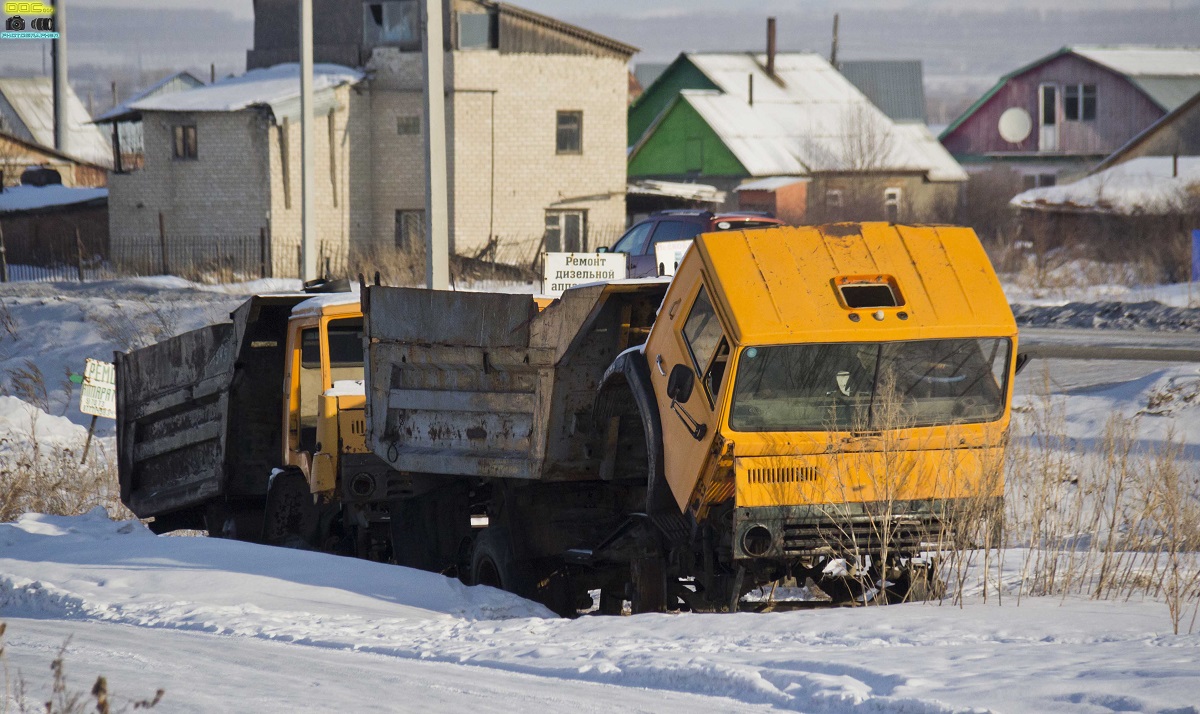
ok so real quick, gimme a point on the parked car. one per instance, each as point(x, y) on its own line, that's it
point(666, 226)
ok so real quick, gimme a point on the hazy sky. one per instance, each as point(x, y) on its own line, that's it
point(639, 8)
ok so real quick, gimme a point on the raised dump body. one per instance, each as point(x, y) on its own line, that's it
point(793, 395)
point(198, 415)
point(484, 385)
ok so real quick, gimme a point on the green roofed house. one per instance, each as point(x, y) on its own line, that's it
point(1054, 119)
point(727, 119)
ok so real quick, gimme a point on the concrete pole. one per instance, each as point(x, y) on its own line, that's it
point(308, 240)
point(62, 139)
point(437, 222)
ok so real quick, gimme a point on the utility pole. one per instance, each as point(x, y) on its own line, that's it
point(437, 223)
point(308, 248)
point(59, 68)
point(834, 48)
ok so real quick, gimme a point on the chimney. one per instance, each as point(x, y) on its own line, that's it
point(750, 88)
point(770, 47)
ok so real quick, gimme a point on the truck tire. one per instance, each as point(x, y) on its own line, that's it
point(290, 518)
point(649, 586)
point(493, 564)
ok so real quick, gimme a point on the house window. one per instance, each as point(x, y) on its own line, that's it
point(410, 229)
point(833, 198)
point(566, 231)
point(408, 126)
point(891, 204)
point(185, 142)
point(1038, 180)
point(477, 31)
point(570, 133)
point(394, 24)
point(1079, 102)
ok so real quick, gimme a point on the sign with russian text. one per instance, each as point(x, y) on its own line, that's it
point(669, 254)
point(566, 270)
point(98, 396)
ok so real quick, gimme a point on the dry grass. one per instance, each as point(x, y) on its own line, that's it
point(62, 699)
point(52, 477)
point(1115, 519)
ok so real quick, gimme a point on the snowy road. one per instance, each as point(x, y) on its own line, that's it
point(227, 626)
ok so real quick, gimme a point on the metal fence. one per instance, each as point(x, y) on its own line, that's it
point(239, 258)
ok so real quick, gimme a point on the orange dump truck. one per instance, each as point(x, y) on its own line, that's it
point(792, 397)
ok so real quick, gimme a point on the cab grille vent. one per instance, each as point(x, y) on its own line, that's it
point(787, 474)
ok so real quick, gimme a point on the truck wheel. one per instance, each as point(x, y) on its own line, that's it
point(493, 564)
point(649, 586)
point(290, 518)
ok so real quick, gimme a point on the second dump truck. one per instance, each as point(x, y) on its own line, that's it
point(793, 396)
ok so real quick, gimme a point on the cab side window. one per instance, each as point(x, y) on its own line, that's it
point(706, 345)
point(310, 387)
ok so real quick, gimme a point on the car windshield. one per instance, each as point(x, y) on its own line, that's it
point(870, 386)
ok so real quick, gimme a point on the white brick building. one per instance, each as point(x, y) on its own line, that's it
point(535, 112)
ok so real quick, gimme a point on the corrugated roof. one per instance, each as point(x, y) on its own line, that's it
point(1141, 60)
point(808, 118)
point(1169, 92)
point(1152, 185)
point(943, 166)
point(771, 183)
point(28, 108)
point(178, 82)
point(944, 276)
point(897, 87)
point(675, 189)
point(277, 87)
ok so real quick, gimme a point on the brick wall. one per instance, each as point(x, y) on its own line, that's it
point(223, 191)
point(235, 185)
point(505, 172)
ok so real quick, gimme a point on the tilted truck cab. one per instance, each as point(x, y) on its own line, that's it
point(851, 392)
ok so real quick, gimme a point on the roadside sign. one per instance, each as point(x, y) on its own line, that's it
point(566, 270)
point(669, 254)
point(98, 395)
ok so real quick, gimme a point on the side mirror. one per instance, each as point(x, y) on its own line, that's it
point(1022, 360)
point(680, 384)
point(602, 249)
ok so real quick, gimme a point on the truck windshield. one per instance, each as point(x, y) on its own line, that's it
point(870, 386)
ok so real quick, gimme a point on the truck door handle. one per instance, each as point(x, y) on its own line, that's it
point(658, 363)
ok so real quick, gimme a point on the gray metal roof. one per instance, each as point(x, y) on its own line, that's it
point(1169, 92)
point(27, 110)
point(178, 82)
point(895, 86)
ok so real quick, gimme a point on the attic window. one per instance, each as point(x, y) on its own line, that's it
point(477, 31)
point(859, 292)
point(394, 24)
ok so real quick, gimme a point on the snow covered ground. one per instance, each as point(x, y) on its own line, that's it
point(227, 626)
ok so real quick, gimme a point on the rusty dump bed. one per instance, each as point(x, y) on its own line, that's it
point(482, 384)
point(198, 415)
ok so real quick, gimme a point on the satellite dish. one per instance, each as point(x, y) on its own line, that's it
point(1015, 125)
